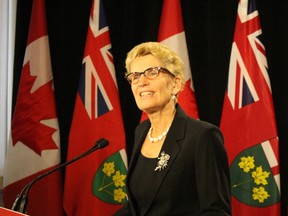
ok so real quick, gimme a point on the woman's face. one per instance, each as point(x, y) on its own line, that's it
point(153, 95)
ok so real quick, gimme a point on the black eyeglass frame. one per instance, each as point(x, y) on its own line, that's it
point(159, 69)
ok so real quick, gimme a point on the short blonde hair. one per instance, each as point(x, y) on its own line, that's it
point(171, 59)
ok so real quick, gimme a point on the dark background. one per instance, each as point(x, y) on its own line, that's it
point(209, 27)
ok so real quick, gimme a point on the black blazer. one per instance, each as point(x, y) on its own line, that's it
point(196, 180)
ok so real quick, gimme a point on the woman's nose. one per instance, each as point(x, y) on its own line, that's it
point(143, 79)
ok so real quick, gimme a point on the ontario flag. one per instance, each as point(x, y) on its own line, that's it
point(34, 145)
point(172, 34)
point(248, 121)
point(95, 185)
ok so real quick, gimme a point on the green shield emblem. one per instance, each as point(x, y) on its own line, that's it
point(252, 180)
point(109, 183)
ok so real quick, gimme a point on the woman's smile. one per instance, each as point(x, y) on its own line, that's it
point(146, 93)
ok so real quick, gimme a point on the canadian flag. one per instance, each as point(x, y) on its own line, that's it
point(34, 146)
point(172, 34)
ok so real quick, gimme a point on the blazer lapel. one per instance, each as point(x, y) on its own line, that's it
point(139, 139)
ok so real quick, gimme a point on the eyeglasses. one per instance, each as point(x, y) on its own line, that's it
point(149, 73)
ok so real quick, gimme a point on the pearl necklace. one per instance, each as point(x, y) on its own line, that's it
point(159, 138)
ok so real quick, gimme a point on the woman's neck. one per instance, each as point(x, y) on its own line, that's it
point(162, 120)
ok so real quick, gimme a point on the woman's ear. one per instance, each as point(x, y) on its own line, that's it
point(177, 85)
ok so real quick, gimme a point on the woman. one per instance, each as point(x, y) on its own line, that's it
point(178, 165)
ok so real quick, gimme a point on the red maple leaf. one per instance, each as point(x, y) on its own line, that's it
point(30, 110)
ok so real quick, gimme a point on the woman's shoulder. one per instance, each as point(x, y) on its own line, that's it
point(201, 123)
point(194, 122)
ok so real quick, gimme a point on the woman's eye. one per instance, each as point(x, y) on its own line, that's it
point(136, 76)
point(152, 73)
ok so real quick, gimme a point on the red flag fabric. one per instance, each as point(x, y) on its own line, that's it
point(34, 145)
point(172, 34)
point(248, 121)
point(95, 185)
